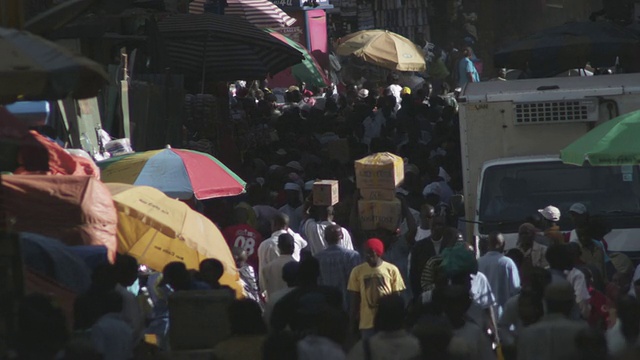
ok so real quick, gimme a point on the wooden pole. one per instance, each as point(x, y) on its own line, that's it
point(12, 13)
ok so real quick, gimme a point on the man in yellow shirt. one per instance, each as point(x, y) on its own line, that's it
point(369, 282)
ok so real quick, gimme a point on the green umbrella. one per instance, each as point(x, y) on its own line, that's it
point(613, 143)
point(307, 71)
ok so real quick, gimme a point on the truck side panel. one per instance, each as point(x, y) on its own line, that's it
point(488, 132)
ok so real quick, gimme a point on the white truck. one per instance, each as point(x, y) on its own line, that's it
point(511, 136)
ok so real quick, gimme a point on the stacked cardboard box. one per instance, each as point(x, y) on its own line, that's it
point(377, 177)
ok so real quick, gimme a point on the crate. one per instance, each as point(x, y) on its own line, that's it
point(325, 192)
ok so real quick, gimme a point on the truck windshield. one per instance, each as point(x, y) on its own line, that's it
point(511, 194)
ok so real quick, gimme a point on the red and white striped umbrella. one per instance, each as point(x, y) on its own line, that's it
point(261, 13)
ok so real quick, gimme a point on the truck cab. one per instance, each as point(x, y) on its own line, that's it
point(511, 136)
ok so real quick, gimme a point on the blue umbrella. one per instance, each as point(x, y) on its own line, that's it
point(93, 255)
point(54, 259)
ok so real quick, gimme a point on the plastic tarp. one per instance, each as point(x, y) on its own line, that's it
point(52, 258)
point(77, 210)
point(25, 151)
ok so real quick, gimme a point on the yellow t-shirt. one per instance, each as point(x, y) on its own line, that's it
point(373, 283)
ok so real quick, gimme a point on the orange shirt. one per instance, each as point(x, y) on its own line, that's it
point(555, 235)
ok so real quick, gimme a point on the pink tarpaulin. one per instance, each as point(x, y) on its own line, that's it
point(317, 32)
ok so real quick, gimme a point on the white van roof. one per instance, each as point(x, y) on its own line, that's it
point(556, 88)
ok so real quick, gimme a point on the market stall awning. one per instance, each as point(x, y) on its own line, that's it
point(157, 230)
point(383, 48)
point(612, 143)
point(219, 47)
point(178, 173)
point(261, 13)
point(308, 71)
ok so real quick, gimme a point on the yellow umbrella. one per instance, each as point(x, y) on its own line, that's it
point(157, 230)
point(385, 49)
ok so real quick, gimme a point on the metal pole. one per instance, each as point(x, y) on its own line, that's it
point(204, 64)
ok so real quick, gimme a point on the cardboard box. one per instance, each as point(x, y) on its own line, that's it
point(377, 214)
point(378, 194)
point(379, 171)
point(325, 192)
point(339, 150)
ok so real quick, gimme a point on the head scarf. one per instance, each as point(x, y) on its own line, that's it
point(375, 245)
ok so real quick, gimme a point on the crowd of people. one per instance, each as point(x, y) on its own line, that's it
point(318, 286)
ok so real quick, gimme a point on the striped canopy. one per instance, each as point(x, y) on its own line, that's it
point(261, 13)
point(220, 47)
point(38, 69)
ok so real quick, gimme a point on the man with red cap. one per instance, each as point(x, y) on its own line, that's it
point(369, 282)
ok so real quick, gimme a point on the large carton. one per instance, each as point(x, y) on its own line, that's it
point(377, 214)
point(379, 171)
point(325, 192)
point(378, 194)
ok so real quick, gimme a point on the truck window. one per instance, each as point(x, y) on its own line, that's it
point(512, 193)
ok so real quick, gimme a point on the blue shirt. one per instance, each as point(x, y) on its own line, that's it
point(466, 66)
point(502, 274)
point(336, 264)
point(397, 253)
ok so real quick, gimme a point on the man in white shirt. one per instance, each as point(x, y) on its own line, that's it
point(293, 208)
point(314, 228)
point(271, 279)
point(483, 302)
point(268, 249)
point(424, 229)
point(578, 280)
point(396, 89)
point(290, 272)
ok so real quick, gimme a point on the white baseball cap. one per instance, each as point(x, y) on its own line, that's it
point(363, 93)
point(578, 208)
point(550, 213)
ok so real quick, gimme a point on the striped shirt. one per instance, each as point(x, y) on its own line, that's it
point(336, 264)
point(430, 273)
